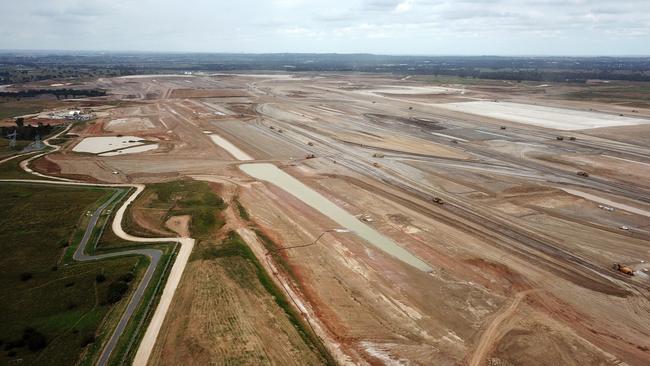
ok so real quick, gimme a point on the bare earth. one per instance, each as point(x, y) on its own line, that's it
point(522, 270)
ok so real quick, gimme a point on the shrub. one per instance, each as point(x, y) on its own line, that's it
point(127, 277)
point(116, 291)
point(87, 339)
point(25, 276)
point(100, 278)
point(34, 339)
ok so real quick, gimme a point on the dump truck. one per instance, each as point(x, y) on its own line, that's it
point(623, 269)
point(310, 156)
point(582, 174)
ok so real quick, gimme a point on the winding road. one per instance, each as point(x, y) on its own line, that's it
point(173, 279)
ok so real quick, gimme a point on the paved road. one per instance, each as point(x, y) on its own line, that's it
point(173, 279)
point(153, 254)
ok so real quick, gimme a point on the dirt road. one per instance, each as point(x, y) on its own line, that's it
point(490, 335)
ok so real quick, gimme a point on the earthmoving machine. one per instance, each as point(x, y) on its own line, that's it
point(438, 200)
point(623, 269)
point(377, 155)
point(310, 143)
point(559, 138)
point(572, 138)
point(582, 174)
point(376, 165)
point(310, 156)
point(502, 127)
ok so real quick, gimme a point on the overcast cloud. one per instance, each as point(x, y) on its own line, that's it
point(435, 27)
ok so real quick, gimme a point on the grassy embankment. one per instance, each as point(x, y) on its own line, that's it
point(53, 310)
point(243, 267)
point(160, 201)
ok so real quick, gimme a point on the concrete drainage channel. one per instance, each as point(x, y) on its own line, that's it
point(173, 279)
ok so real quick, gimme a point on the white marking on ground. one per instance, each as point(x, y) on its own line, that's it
point(491, 133)
point(233, 150)
point(448, 136)
point(628, 160)
point(620, 206)
point(550, 117)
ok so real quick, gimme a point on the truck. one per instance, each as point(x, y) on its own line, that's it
point(623, 269)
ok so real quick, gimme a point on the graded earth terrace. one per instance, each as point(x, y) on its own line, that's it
point(354, 218)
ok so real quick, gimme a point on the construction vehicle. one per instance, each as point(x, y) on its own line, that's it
point(559, 138)
point(377, 155)
point(376, 165)
point(623, 269)
point(572, 138)
point(310, 143)
point(273, 128)
point(502, 127)
point(310, 156)
point(454, 141)
point(582, 174)
point(438, 200)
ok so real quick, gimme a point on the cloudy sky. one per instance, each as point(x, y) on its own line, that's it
point(432, 27)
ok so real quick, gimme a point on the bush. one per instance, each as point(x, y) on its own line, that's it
point(34, 339)
point(87, 339)
point(19, 343)
point(127, 277)
point(116, 291)
point(100, 278)
point(25, 276)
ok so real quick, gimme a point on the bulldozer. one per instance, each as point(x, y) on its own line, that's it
point(623, 269)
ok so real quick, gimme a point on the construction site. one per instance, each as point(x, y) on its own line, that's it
point(405, 221)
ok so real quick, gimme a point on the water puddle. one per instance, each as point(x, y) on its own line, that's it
point(97, 145)
point(271, 173)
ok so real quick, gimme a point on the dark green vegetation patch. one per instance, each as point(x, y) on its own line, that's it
point(195, 198)
point(50, 309)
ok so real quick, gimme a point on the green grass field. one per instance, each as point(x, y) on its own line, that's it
point(6, 150)
point(10, 107)
point(51, 310)
point(181, 197)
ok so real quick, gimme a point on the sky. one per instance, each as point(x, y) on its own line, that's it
point(406, 27)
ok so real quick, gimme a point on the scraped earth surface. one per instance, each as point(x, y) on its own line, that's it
point(522, 269)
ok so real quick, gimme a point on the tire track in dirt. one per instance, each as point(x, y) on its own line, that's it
point(491, 334)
